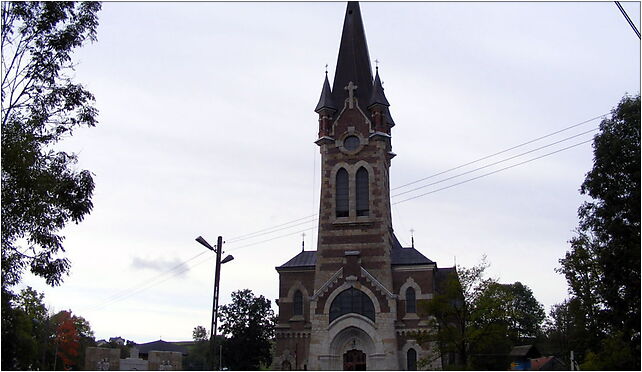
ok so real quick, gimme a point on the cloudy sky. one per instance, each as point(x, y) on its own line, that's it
point(207, 128)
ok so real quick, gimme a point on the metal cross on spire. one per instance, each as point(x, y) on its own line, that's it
point(303, 239)
point(376, 64)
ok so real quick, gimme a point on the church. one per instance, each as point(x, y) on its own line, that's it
point(353, 303)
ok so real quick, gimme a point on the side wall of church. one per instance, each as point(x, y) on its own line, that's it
point(293, 331)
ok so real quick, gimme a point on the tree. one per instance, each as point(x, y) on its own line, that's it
point(451, 312)
point(478, 320)
point(41, 189)
point(24, 330)
point(199, 333)
point(199, 351)
point(67, 339)
point(602, 267)
point(248, 325)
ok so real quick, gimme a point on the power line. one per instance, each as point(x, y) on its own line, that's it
point(635, 29)
point(154, 278)
point(493, 172)
point(284, 226)
point(275, 230)
point(249, 235)
point(281, 227)
point(500, 152)
point(495, 163)
point(276, 237)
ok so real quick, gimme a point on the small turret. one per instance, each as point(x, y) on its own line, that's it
point(378, 105)
point(325, 108)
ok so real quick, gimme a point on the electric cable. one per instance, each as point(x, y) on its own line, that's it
point(495, 163)
point(493, 172)
point(501, 152)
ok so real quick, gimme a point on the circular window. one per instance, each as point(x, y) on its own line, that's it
point(351, 143)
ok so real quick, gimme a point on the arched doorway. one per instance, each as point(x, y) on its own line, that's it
point(354, 360)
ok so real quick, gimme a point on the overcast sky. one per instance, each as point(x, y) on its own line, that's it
point(207, 128)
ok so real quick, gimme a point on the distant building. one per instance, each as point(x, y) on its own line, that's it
point(353, 303)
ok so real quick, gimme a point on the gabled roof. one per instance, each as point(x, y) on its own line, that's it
point(353, 62)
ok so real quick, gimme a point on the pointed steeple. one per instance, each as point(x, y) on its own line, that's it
point(353, 63)
point(378, 97)
point(325, 101)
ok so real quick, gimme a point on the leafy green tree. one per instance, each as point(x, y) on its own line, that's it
point(41, 105)
point(199, 333)
point(24, 330)
point(478, 320)
point(452, 310)
point(504, 315)
point(200, 351)
point(248, 326)
point(602, 268)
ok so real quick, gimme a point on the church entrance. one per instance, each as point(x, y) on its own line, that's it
point(354, 360)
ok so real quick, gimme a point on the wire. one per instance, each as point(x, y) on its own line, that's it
point(281, 227)
point(495, 163)
point(246, 236)
point(493, 172)
point(500, 152)
point(276, 237)
point(635, 29)
point(275, 230)
point(172, 272)
point(154, 278)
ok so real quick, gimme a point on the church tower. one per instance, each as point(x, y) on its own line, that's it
point(352, 303)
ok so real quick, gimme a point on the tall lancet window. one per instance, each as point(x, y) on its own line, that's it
point(363, 192)
point(411, 303)
point(298, 303)
point(342, 193)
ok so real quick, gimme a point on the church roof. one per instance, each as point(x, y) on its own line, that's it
point(353, 62)
point(399, 256)
point(303, 259)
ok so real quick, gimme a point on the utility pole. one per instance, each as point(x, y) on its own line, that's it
point(217, 278)
point(218, 249)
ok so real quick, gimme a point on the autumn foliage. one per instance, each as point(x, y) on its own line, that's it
point(67, 339)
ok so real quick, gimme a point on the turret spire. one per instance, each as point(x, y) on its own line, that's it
point(353, 63)
point(325, 101)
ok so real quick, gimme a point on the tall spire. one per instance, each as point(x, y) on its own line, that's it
point(353, 63)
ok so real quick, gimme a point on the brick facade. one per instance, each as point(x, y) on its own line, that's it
point(359, 273)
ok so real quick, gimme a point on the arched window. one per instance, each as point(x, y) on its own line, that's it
point(363, 192)
point(297, 303)
point(352, 300)
point(411, 303)
point(411, 360)
point(342, 193)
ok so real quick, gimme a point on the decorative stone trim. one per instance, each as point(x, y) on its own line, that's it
point(410, 282)
point(407, 331)
point(297, 285)
point(383, 290)
point(418, 268)
point(293, 334)
point(324, 288)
